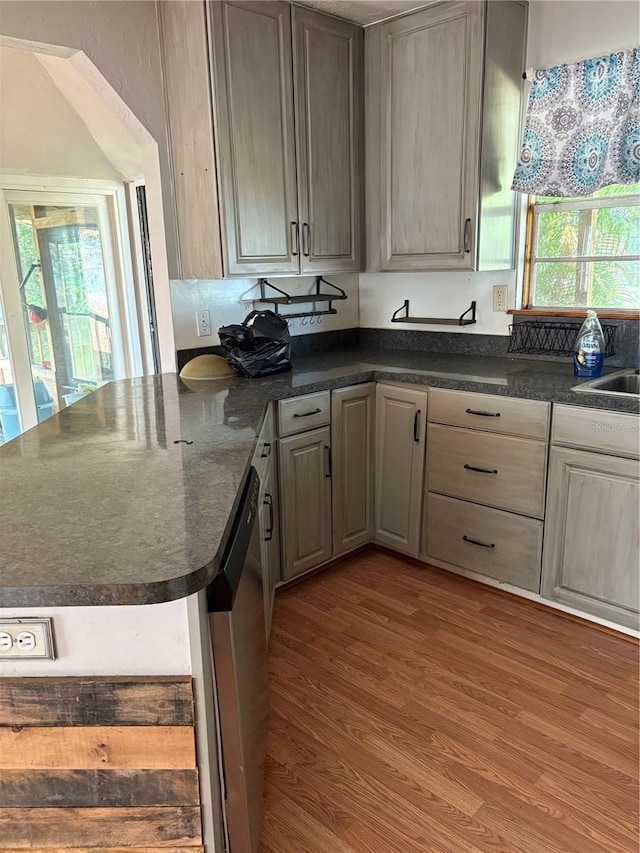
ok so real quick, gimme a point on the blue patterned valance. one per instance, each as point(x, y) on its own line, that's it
point(582, 130)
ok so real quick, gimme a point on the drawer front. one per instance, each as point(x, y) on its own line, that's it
point(496, 470)
point(488, 541)
point(594, 429)
point(265, 446)
point(528, 418)
point(299, 414)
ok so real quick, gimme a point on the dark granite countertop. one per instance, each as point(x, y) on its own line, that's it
point(105, 503)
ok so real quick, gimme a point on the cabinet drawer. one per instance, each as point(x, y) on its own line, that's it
point(299, 414)
point(511, 471)
point(506, 415)
point(494, 543)
point(265, 446)
point(603, 432)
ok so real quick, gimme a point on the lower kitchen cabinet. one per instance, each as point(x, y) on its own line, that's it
point(401, 415)
point(304, 463)
point(592, 534)
point(352, 435)
point(488, 541)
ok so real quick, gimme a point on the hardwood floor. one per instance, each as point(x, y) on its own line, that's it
point(413, 710)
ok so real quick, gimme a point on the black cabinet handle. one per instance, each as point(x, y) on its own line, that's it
point(327, 450)
point(306, 414)
point(295, 233)
point(266, 450)
point(482, 414)
point(306, 239)
point(481, 470)
point(476, 542)
point(416, 426)
point(268, 501)
point(465, 236)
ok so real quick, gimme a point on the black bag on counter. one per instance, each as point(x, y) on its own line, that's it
point(260, 345)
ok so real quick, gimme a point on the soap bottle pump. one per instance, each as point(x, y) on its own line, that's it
point(588, 351)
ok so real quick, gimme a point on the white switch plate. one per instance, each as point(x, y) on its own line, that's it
point(204, 323)
point(500, 296)
point(26, 638)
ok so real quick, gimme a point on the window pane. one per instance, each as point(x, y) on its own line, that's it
point(557, 234)
point(554, 284)
point(598, 284)
point(66, 307)
point(617, 231)
point(597, 231)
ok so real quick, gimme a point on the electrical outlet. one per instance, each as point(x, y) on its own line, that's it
point(204, 323)
point(26, 638)
point(500, 296)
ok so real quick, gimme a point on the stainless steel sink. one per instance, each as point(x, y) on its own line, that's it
point(621, 383)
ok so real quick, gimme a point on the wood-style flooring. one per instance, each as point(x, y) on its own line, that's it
point(413, 710)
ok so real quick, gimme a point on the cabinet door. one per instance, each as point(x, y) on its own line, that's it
point(352, 431)
point(270, 544)
point(591, 536)
point(305, 500)
point(423, 95)
point(401, 414)
point(328, 70)
point(256, 153)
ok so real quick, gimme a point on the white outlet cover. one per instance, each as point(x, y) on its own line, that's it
point(26, 638)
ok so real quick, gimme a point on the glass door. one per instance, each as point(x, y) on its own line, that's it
point(63, 317)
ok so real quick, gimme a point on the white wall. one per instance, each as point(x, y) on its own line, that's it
point(230, 300)
point(571, 30)
point(152, 639)
point(41, 134)
point(559, 31)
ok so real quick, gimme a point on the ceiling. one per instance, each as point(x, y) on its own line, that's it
point(364, 11)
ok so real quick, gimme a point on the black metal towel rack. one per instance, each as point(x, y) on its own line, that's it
point(435, 321)
point(308, 298)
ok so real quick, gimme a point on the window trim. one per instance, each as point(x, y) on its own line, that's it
point(526, 307)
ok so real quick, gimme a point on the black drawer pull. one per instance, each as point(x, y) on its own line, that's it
point(483, 414)
point(295, 230)
point(476, 542)
point(306, 414)
point(465, 237)
point(416, 426)
point(481, 470)
point(268, 501)
point(327, 450)
point(266, 450)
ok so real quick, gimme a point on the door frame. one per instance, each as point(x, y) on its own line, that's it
point(128, 342)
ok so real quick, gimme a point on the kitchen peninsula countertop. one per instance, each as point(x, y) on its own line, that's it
point(126, 497)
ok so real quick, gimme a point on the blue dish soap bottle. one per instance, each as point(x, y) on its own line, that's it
point(588, 350)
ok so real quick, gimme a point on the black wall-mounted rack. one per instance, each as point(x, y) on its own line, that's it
point(435, 321)
point(286, 299)
point(548, 337)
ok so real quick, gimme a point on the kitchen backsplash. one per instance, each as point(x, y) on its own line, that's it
point(230, 300)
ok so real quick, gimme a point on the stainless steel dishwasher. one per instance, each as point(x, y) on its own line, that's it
point(236, 617)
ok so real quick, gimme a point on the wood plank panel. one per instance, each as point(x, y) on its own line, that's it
point(79, 748)
point(98, 788)
point(104, 849)
point(95, 702)
point(24, 829)
point(455, 720)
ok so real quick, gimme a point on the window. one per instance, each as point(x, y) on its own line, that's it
point(584, 252)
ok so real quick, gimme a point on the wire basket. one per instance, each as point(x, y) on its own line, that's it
point(544, 337)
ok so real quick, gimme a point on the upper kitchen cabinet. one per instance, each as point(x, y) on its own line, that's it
point(443, 103)
point(264, 105)
point(328, 86)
